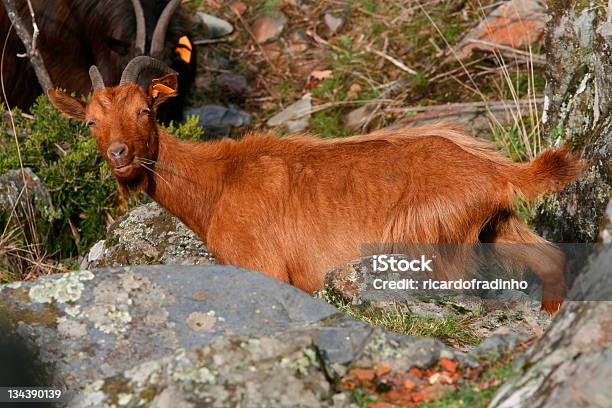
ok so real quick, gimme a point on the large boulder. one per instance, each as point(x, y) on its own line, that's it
point(180, 335)
point(571, 366)
point(148, 235)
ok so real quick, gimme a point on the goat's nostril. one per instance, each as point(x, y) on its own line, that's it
point(117, 151)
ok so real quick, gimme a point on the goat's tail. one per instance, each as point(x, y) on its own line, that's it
point(551, 170)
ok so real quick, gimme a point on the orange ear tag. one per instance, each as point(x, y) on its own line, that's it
point(184, 49)
point(161, 88)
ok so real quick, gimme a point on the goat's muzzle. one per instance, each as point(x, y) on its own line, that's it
point(119, 158)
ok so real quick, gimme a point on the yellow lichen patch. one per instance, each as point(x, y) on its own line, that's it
point(67, 288)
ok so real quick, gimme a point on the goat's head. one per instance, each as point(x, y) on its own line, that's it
point(123, 118)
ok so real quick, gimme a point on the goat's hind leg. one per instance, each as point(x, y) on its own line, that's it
point(519, 247)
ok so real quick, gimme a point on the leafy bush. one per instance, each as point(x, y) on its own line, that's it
point(190, 130)
point(65, 157)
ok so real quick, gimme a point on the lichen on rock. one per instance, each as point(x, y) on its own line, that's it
point(148, 235)
point(67, 288)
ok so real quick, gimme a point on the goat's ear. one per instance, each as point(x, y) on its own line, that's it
point(162, 89)
point(69, 105)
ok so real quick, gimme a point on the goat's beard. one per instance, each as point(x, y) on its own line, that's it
point(134, 185)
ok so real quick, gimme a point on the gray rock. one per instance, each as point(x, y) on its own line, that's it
point(23, 206)
point(17, 198)
point(511, 311)
point(233, 83)
point(179, 336)
point(358, 118)
point(231, 371)
point(148, 235)
point(88, 325)
point(499, 344)
point(217, 120)
point(215, 27)
point(571, 366)
point(269, 27)
point(295, 117)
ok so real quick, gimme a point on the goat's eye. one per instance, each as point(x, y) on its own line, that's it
point(144, 111)
point(90, 123)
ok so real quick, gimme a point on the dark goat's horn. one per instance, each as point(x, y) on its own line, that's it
point(159, 35)
point(137, 65)
point(140, 27)
point(96, 78)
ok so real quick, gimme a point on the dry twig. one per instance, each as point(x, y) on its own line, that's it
point(29, 42)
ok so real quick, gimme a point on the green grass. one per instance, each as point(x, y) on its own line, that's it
point(451, 329)
point(327, 124)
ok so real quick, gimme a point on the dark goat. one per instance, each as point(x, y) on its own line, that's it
point(75, 34)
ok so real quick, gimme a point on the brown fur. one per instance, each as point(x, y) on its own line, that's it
point(296, 206)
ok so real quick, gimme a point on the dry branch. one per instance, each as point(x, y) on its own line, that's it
point(29, 42)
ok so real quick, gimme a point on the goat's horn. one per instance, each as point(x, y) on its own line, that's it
point(141, 32)
point(96, 78)
point(137, 65)
point(159, 35)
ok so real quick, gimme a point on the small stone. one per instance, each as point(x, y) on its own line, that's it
point(233, 83)
point(238, 7)
point(95, 253)
point(269, 27)
point(217, 121)
point(409, 385)
point(382, 369)
point(358, 117)
point(295, 116)
point(363, 374)
point(332, 23)
point(215, 27)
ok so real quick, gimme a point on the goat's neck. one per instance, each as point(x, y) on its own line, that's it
point(186, 181)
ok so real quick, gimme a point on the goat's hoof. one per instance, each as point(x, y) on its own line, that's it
point(551, 306)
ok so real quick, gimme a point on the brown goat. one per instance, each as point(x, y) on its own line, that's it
point(294, 207)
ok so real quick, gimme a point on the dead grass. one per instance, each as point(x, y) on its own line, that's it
point(380, 45)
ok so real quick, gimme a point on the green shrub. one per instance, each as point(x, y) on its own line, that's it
point(65, 157)
point(190, 130)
